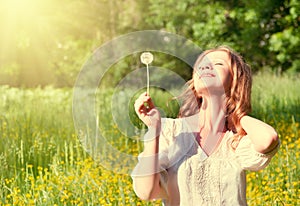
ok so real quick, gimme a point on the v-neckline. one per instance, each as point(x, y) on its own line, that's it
point(203, 153)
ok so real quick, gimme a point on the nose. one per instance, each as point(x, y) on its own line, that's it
point(205, 67)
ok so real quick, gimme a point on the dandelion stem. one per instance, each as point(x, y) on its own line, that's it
point(148, 81)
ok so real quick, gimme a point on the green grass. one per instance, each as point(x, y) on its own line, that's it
point(42, 162)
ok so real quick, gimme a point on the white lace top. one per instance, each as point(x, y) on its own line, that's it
point(190, 177)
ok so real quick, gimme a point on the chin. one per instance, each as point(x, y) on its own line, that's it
point(210, 89)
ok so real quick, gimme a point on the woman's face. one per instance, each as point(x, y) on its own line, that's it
point(212, 73)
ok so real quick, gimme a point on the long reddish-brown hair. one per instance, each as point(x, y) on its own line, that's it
point(238, 96)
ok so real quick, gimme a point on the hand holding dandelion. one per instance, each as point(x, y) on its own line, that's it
point(147, 58)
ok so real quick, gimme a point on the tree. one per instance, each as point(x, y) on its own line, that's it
point(285, 42)
point(257, 29)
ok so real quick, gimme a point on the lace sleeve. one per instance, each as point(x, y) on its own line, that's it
point(249, 158)
point(165, 139)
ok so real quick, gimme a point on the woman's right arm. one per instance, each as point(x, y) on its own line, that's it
point(146, 180)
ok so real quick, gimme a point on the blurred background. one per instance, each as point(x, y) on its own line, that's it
point(46, 42)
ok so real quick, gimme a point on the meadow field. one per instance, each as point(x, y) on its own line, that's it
point(42, 162)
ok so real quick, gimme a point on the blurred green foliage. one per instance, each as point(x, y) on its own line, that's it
point(47, 42)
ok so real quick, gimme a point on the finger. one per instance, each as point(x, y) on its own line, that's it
point(150, 103)
point(142, 101)
point(143, 104)
point(139, 102)
point(144, 94)
point(143, 111)
point(140, 108)
point(145, 98)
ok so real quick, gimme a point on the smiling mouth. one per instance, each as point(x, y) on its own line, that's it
point(207, 75)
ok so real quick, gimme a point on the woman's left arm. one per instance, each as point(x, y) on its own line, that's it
point(262, 135)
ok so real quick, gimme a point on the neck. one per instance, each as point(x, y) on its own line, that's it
point(212, 113)
point(212, 116)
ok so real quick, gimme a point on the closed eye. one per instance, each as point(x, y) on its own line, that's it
point(219, 63)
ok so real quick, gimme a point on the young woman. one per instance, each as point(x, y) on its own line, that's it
point(200, 158)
